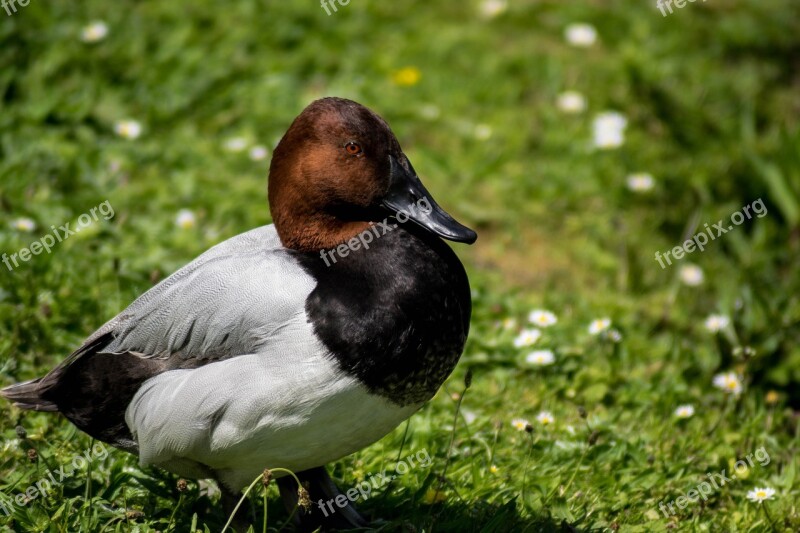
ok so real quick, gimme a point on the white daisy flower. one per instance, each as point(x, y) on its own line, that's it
point(236, 144)
point(527, 337)
point(185, 219)
point(716, 323)
point(482, 132)
point(23, 224)
point(609, 130)
point(760, 495)
point(509, 323)
point(691, 275)
point(730, 382)
point(580, 34)
point(571, 102)
point(520, 424)
point(93, 32)
point(545, 418)
point(542, 318)
point(493, 8)
point(258, 152)
point(640, 182)
point(128, 129)
point(599, 325)
point(541, 357)
point(684, 411)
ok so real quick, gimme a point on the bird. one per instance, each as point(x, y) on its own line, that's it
point(290, 345)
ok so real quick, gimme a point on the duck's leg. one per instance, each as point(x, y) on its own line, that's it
point(324, 512)
point(229, 499)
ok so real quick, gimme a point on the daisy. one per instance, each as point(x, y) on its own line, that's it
point(545, 418)
point(571, 102)
point(258, 152)
point(599, 325)
point(23, 224)
point(482, 132)
point(691, 275)
point(684, 411)
point(760, 495)
point(128, 129)
point(729, 382)
point(640, 182)
point(95, 31)
point(716, 323)
point(541, 357)
point(542, 318)
point(527, 337)
point(236, 144)
point(493, 8)
point(509, 323)
point(609, 130)
point(407, 76)
point(185, 219)
point(580, 34)
point(520, 424)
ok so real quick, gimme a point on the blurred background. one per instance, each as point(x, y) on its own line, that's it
point(578, 139)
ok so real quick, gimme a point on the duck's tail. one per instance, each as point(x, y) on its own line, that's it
point(28, 396)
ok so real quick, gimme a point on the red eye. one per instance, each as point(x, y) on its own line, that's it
point(353, 148)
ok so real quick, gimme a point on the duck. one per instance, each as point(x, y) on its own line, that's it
point(291, 345)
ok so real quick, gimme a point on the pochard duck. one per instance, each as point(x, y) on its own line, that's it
point(291, 345)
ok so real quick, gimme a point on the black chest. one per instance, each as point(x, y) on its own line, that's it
point(395, 315)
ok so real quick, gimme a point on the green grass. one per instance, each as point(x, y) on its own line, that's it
point(712, 98)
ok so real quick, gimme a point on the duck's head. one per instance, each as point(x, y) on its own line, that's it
point(339, 168)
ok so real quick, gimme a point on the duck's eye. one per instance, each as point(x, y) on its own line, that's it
point(353, 148)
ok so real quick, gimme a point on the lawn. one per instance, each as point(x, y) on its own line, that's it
point(617, 376)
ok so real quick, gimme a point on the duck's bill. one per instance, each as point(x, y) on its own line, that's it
point(409, 200)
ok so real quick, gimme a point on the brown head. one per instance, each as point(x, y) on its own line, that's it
point(337, 169)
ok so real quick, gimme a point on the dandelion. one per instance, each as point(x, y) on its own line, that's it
point(493, 469)
point(759, 495)
point(609, 130)
point(640, 182)
point(527, 337)
point(493, 8)
point(599, 325)
point(23, 224)
point(520, 424)
point(482, 132)
point(691, 275)
point(772, 397)
point(545, 418)
point(128, 129)
point(580, 34)
point(407, 76)
point(571, 102)
point(541, 357)
point(236, 144)
point(716, 323)
point(93, 32)
point(258, 152)
point(684, 411)
point(729, 382)
point(185, 219)
point(542, 318)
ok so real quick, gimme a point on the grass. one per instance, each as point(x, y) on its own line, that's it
point(711, 96)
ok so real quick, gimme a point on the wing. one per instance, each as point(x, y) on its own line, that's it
point(235, 299)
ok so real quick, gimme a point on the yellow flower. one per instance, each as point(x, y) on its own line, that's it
point(493, 469)
point(433, 496)
point(772, 397)
point(407, 76)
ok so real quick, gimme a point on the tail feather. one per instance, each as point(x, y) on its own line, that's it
point(27, 395)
